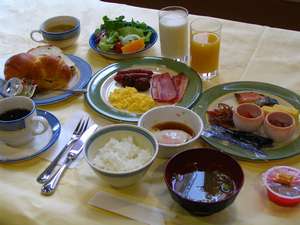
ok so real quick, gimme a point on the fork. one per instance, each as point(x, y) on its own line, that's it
point(49, 187)
point(80, 128)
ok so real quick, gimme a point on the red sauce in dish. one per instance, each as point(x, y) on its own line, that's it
point(279, 123)
point(248, 115)
point(249, 110)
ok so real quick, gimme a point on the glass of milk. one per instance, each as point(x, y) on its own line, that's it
point(173, 32)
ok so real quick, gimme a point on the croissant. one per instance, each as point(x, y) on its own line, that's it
point(49, 72)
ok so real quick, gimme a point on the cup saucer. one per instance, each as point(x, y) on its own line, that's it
point(38, 145)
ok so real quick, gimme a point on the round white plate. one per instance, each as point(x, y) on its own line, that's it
point(40, 143)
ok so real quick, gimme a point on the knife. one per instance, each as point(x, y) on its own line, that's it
point(50, 186)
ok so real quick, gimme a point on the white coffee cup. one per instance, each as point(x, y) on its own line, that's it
point(64, 35)
point(19, 122)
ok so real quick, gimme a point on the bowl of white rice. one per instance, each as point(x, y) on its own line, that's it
point(121, 154)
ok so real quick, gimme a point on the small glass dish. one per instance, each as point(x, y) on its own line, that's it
point(283, 185)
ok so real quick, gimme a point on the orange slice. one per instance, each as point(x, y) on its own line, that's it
point(134, 46)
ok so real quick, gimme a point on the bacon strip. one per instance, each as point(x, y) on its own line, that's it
point(163, 88)
point(180, 82)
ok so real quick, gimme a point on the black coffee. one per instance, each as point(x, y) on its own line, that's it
point(14, 114)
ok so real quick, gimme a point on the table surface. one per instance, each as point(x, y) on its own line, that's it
point(248, 53)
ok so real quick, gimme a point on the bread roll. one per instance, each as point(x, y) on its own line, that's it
point(51, 50)
point(20, 65)
point(48, 71)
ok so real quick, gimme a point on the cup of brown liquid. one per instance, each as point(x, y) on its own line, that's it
point(19, 122)
point(61, 31)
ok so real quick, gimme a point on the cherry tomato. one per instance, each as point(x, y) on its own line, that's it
point(118, 47)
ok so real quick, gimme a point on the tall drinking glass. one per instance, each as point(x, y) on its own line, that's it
point(173, 31)
point(205, 39)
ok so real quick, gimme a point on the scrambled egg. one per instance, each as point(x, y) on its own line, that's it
point(282, 108)
point(131, 100)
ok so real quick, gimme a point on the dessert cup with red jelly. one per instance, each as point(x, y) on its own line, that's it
point(283, 185)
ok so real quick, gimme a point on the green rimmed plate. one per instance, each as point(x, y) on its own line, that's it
point(224, 93)
point(102, 84)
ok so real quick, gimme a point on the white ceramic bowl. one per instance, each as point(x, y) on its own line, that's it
point(162, 114)
point(141, 137)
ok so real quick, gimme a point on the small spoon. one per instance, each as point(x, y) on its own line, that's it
point(15, 86)
point(12, 87)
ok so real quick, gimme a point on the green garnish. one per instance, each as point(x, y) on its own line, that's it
point(116, 30)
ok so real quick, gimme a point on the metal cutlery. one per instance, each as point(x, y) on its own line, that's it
point(26, 87)
point(50, 186)
point(80, 128)
point(74, 91)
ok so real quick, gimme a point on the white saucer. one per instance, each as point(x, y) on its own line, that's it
point(40, 143)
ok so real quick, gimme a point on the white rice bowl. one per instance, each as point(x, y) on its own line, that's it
point(121, 154)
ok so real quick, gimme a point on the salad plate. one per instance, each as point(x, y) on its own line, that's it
point(224, 93)
point(109, 39)
point(80, 80)
point(102, 84)
point(40, 143)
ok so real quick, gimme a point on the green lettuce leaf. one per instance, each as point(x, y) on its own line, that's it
point(124, 31)
point(107, 43)
point(118, 28)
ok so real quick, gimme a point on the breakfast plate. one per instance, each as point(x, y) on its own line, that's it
point(224, 93)
point(40, 143)
point(102, 84)
point(81, 78)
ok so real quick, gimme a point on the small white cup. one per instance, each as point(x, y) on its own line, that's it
point(249, 123)
point(19, 131)
point(279, 133)
point(59, 38)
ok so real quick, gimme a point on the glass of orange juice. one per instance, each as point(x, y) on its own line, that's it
point(205, 39)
